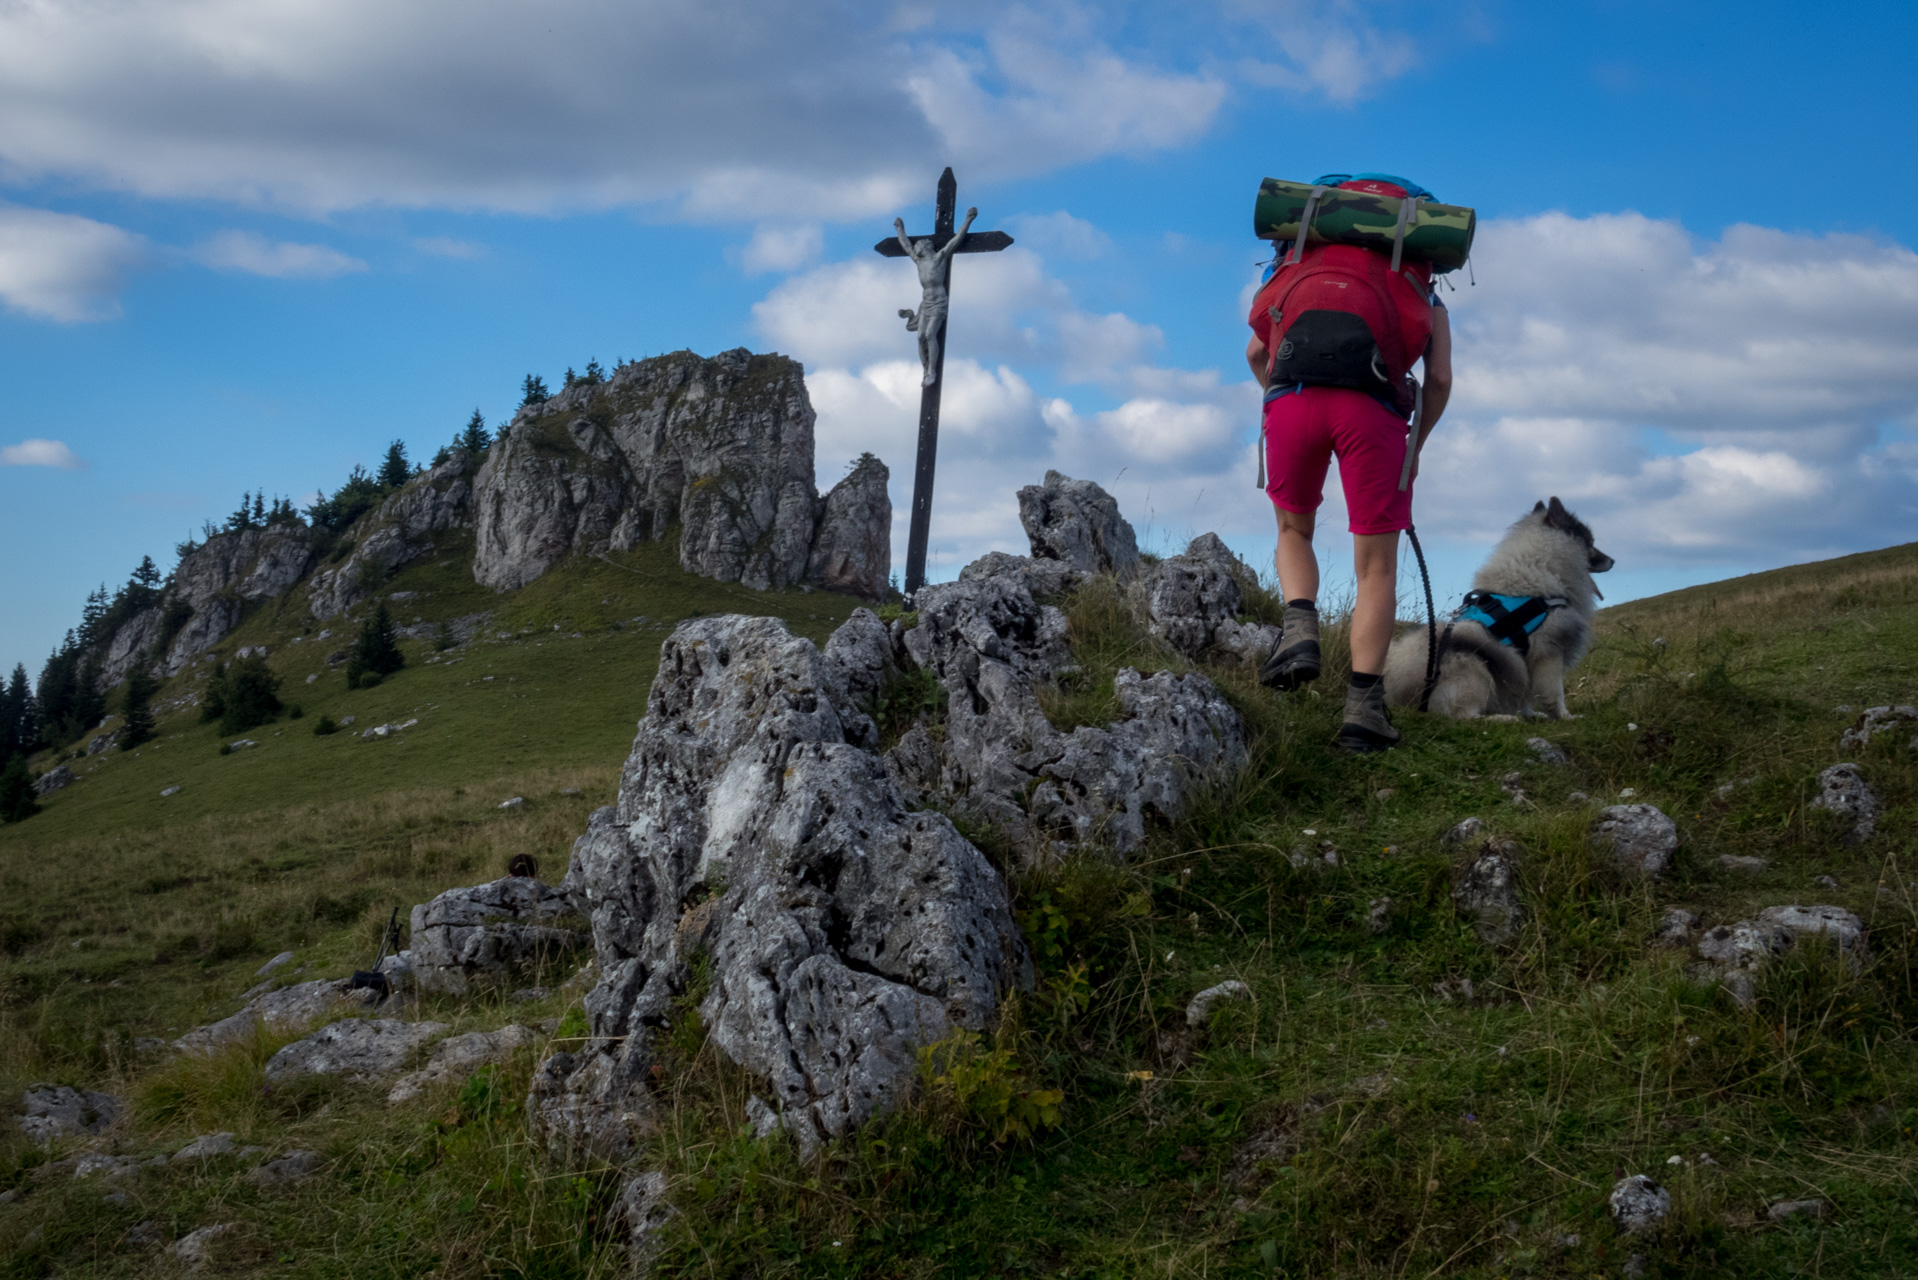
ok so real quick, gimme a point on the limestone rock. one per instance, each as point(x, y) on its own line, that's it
point(852, 549)
point(104, 743)
point(195, 1249)
point(842, 931)
point(1842, 790)
point(1545, 751)
point(1675, 927)
point(1487, 893)
point(490, 931)
point(1039, 577)
point(992, 648)
point(1192, 603)
point(1078, 523)
point(436, 503)
point(1639, 838)
point(358, 1049)
point(285, 957)
point(1199, 1008)
point(52, 780)
point(457, 1057)
point(644, 1209)
point(226, 574)
point(1874, 721)
point(1466, 831)
point(293, 1008)
point(206, 1146)
point(58, 1111)
point(1782, 1210)
point(1639, 1205)
point(294, 1166)
point(1735, 952)
point(1845, 930)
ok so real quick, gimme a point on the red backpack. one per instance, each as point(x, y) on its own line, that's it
point(1338, 315)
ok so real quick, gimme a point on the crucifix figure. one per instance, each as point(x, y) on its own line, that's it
point(935, 268)
point(933, 256)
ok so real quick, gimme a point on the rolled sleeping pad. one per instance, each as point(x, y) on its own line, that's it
point(1441, 234)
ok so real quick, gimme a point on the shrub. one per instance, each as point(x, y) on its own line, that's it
point(296, 713)
point(226, 748)
point(247, 692)
point(16, 792)
point(139, 709)
point(377, 653)
point(323, 726)
point(443, 637)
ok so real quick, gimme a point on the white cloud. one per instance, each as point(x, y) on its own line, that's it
point(1060, 235)
point(1327, 48)
point(782, 247)
point(40, 453)
point(256, 255)
point(727, 108)
point(61, 267)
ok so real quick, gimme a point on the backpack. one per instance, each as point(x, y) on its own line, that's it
point(1338, 315)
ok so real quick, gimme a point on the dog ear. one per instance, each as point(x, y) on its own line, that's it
point(1557, 516)
point(1540, 507)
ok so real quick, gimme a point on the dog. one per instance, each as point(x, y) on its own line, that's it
point(1547, 559)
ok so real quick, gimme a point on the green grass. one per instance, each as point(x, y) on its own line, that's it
point(1359, 1116)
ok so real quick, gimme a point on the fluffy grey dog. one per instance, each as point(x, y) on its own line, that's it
point(1547, 554)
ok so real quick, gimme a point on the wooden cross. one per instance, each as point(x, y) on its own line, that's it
point(934, 259)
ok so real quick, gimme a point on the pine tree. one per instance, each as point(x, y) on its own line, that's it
point(378, 651)
point(395, 471)
point(533, 391)
point(242, 520)
point(93, 616)
point(572, 379)
point(19, 716)
point(594, 375)
point(259, 510)
point(16, 792)
point(474, 438)
point(147, 574)
point(139, 708)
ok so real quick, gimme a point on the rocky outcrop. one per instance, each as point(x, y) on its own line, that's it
point(1734, 953)
point(852, 551)
point(436, 503)
point(1874, 721)
point(53, 780)
point(841, 932)
point(1078, 523)
point(993, 648)
point(1487, 893)
point(288, 1009)
point(488, 932)
point(1192, 602)
point(721, 448)
point(457, 1057)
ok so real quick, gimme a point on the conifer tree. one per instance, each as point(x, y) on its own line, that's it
point(16, 792)
point(139, 708)
point(533, 391)
point(19, 716)
point(259, 509)
point(474, 438)
point(147, 574)
point(395, 471)
point(378, 650)
point(248, 694)
point(594, 375)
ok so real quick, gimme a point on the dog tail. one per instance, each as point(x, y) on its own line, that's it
point(1477, 675)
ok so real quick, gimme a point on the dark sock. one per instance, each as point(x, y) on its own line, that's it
point(1301, 604)
point(1361, 680)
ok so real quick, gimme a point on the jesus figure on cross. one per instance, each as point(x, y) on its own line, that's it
point(929, 322)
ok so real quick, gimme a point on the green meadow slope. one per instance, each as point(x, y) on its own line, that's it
point(1395, 1098)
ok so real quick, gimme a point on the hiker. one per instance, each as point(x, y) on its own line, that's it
point(1339, 382)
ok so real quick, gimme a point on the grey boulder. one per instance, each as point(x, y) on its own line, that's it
point(1192, 602)
point(1487, 893)
point(294, 1166)
point(1842, 790)
point(486, 932)
point(457, 1057)
point(288, 1009)
point(58, 1111)
point(1639, 838)
point(852, 549)
point(52, 780)
point(1639, 1205)
point(358, 1049)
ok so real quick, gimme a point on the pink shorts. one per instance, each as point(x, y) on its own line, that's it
point(1303, 429)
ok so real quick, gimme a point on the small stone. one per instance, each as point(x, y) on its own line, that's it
point(56, 1111)
point(1784, 1209)
point(311, 678)
point(206, 1146)
point(291, 1167)
point(1842, 791)
point(1487, 893)
point(1468, 830)
point(1738, 862)
point(1824, 882)
point(169, 791)
point(1639, 1205)
point(457, 1058)
point(514, 802)
point(195, 1249)
point(1200, 1006)
point(527, 995)
point(1378, 915)
point(118, 1199)
point(355, 1050)
point(1675, 927)
point(569, 791)
point(285, 957)
point(1577, 797)
point(1545, 751)
point(1640, 839)
point(1383, 793)
point(1627, 793)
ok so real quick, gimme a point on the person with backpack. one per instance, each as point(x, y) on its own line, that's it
point(1335, 333)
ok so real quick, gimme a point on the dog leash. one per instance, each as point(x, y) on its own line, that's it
point(1425, 577)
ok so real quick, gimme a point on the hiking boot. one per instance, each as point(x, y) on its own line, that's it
point(1296, 661)
point(1368, 726)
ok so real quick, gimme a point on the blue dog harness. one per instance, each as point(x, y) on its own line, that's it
point(1510, 619)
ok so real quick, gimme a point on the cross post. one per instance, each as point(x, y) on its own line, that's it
point(934, 259)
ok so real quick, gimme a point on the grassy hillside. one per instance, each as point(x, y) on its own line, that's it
point(1405, 1101)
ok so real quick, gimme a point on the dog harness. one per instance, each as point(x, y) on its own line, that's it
point(1510, 619)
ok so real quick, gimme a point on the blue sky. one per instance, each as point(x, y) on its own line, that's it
point(244, 243)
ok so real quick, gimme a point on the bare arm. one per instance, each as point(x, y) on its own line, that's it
point(899, 224)
point(1257, 357)
point(1438, 372)
point(952, 245)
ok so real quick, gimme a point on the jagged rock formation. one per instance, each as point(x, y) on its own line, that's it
point(993, 647)
point(438, 502)
point(1078, 523)
point(1842, 790)
point(1734, 953)
point(57, 1111)
point(1193, 601)
point(721, 447)
point(358, 1049)
point(1487, 893)
point(754, 828)
point(293, 1008)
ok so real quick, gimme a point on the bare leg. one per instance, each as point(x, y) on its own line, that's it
point(1297, 566)
point(1375, 558)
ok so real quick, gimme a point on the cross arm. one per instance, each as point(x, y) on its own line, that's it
point(976, 242)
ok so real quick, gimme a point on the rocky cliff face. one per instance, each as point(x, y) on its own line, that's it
point(722, 447)
point(403, 527)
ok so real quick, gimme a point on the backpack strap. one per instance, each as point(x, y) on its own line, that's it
point(1408, 209)
point(1305, 224)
